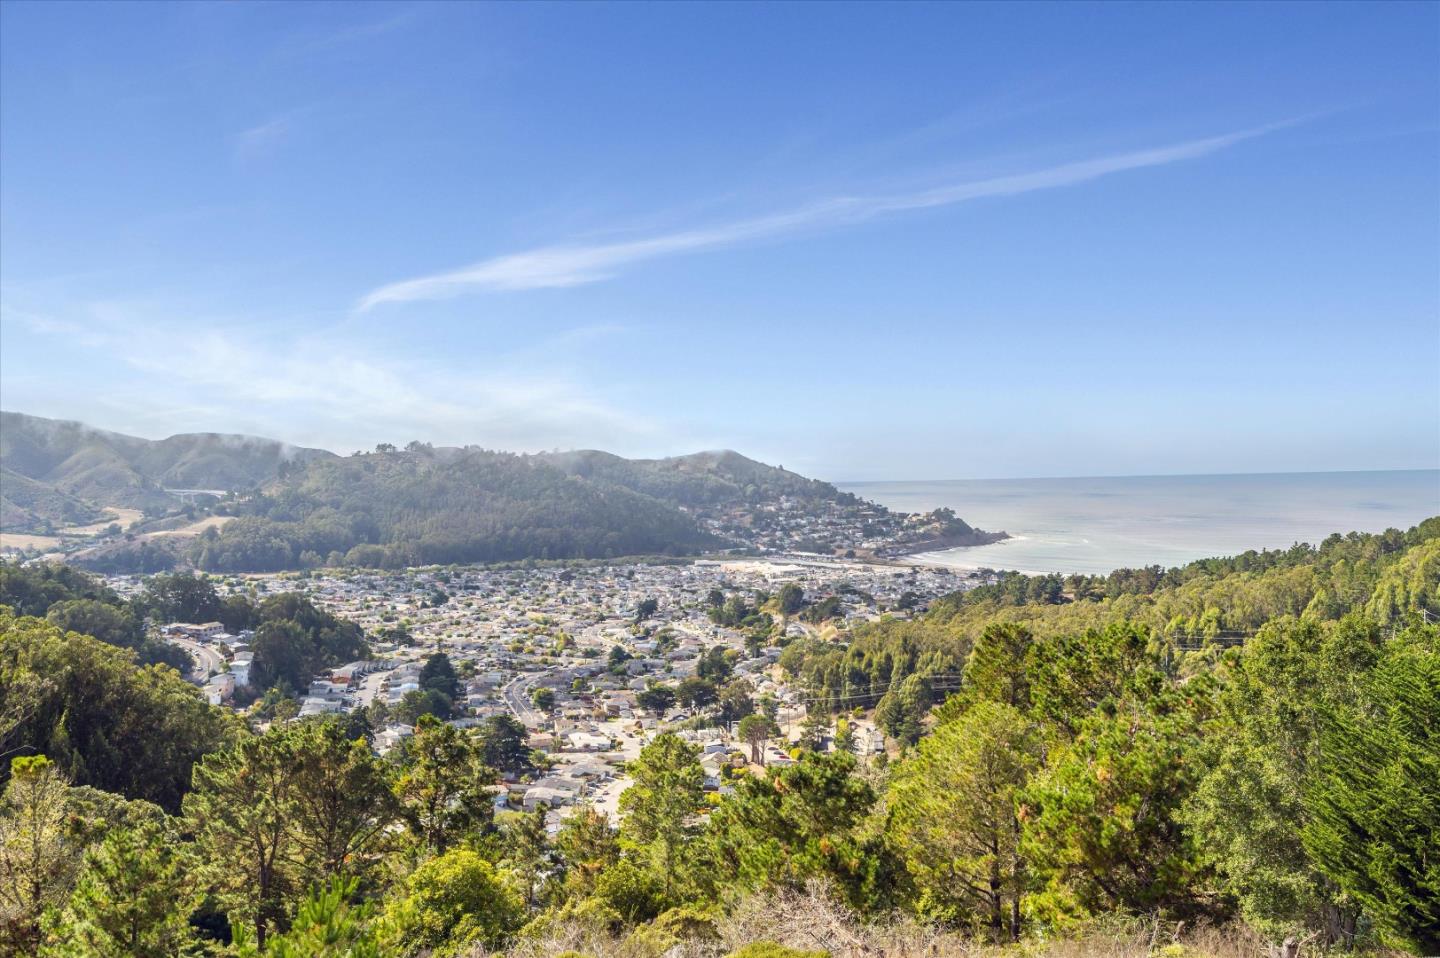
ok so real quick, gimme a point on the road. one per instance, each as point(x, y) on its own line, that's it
point(207, 660)
point(370, 687)
point(516, 694)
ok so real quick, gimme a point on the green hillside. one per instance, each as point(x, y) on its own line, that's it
point(701, 479)
point(424, 506)
point(100, 468)
point(27, 505)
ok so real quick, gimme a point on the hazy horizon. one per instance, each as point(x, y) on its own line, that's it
point(846, 482)
point(949, 240)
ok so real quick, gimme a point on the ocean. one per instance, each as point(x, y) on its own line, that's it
point(1094, 525)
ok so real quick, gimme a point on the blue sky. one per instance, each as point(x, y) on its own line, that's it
point(867, 242)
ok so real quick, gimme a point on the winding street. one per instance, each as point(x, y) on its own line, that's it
point(207, 661)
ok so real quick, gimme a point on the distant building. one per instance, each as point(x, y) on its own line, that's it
point(240, 667)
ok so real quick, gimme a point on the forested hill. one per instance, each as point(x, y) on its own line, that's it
point(282, 507)
point(703, 479)
point(421, 505)
point(74, 470)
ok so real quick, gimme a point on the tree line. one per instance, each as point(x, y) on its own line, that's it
point(1083, 768)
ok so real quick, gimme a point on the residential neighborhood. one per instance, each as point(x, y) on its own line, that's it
point(573, 654)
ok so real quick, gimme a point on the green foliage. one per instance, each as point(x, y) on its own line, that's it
point(1101, 819)
point(800, 822)
point(421, 507)
point(543, 699)
point(631, 891)
point(503, 744)
point(769, 949)
point(38, 853)
point(1375, 807)
point(449, 903)
point(954, 817)
point(76, 602)
point(32, 589)
point(240, 811)
point(327, 925)
point(756, 730)
point(587, 847)
point(102, 719)
point(444, 788)
point(438, 675)
point(295, 639)
point(182, 597)
point(656, 698)
point(662, 802)
point(1250, 804)
point(341, 800)
point(416, 703)
point(300, 803)
point(790, 599)
point(134, 897)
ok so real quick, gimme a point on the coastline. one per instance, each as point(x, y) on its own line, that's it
point(969, 540)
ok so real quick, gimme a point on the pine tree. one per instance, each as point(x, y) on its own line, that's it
point(954, 817)
point(445, 788)
point(1375, 800)
point(662, 803)
point(241, 811)
point(38, 857)
point(133, 898)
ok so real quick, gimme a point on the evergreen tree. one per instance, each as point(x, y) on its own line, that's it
point(38, 853)
point(241, 811)
point(445, 787)
point(796, 823)
point(133, 897)
point(527, 850)
point(954, 819)
point(450, 902)
point(662, 803)
point(341, 800)
point(326, 925)
point(587, 845)
point(1249, 808)
point(1374, 799)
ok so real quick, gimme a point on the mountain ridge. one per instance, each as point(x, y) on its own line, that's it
point(283, 507)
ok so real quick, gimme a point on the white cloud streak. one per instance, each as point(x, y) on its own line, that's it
point(577, 264)
point(260, 141)
point(345, 397)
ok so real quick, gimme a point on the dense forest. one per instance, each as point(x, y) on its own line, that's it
point(395, 508)
point(699, 480)
point(421, 505)
point(1219, 759)
point(904, 666)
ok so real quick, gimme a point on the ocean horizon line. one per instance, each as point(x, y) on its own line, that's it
point(1155, 475)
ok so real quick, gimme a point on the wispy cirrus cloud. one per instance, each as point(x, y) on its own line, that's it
point(342, 394)
point(261, 140)
point(576, 264)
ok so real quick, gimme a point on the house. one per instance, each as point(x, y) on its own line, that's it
point(203, 632)
point(219, 688)
point(319, 706)
point(329, 691)
point(391, 736)
point(240, 667)
point(587, 741)
point(536, 794)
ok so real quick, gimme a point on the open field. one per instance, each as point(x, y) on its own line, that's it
point(193, 529)
point(22, 540)
point(125, 518)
